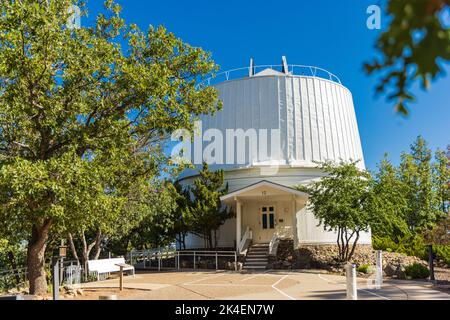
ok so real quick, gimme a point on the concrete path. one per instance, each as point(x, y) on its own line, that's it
point(270, 285)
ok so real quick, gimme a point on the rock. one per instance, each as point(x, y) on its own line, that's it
point(324, 257)
point(79, 291)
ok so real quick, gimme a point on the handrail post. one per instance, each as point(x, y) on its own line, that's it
point(235, 262)
point(217, 262)
point(178, 258)
point(159, 261)
point(194, 260)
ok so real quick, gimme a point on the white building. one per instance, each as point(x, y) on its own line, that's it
point(314, 116)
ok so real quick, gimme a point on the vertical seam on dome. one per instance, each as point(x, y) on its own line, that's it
point(323, 117)
point(310, 122)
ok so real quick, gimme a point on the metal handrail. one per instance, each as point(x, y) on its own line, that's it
point(196, 254)
point(302, 70)
point(247, 236)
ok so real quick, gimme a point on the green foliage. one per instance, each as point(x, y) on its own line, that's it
point(417, 271)
point(154, 230)
point(83, 121)
point(442, 253)
point(412, 198)
point(412, 246)
point(341, 202)
point(364, 268)
point(414, 45)
point(388, 202)
point(206, 213)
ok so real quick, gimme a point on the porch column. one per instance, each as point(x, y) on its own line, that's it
point(294, 222)
point(238, 224)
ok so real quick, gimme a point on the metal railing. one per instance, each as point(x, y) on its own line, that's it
point(293, 69)
point(177, 260)
point(248, 235)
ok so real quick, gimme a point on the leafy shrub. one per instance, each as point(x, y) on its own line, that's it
point(442, 253)
point(364, 268)
point(417, 271)
point(412, 246)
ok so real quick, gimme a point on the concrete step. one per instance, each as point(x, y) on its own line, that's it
point(256, 257)
point(255, 262)
point(254, 267)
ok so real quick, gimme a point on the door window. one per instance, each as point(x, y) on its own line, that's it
point(268, 217)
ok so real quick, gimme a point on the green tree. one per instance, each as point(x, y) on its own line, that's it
point(416, 174)
point(82, 120)
point(441, 180)
point(180, 227)
point(415, 46)
point(154, 229)
point(388, 203)
point(341, 202)
point(207, 214)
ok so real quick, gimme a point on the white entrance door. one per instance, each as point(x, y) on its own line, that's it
point(267, 223)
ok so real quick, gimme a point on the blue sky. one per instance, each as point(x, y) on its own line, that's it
point(326, 33)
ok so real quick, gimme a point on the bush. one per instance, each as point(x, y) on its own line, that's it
point(412, 246)
point(417, 271)
point(364, 268)
point(442, 253)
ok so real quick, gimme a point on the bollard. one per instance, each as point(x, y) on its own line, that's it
point(352, 290)
point(379, 270)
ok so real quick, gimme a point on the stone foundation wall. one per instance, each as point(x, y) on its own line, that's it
point(286, 257)
point(324, 257)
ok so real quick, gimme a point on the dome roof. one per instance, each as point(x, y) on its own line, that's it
point(314, 118)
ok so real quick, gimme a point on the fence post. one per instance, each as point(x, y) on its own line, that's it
point(159, 261)
point(178, 258)
point(235, 262)
point(194, 260)
point(217, 262)
point(352, 291)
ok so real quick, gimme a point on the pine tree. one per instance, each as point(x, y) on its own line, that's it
point(207, 214)
point(388, 202)
point(416, 175)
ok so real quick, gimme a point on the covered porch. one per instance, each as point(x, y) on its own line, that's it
point(265, 211)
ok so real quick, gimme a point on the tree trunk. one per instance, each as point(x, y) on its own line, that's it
point(354, 245)
point(36, 259)
point(97, 246)
point(73, 249)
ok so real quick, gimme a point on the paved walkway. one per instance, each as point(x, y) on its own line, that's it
point(270, 285)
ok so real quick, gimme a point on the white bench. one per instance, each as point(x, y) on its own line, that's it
point(106, 266)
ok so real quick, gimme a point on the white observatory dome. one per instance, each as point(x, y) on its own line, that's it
point(314, 118)
point(312, 110)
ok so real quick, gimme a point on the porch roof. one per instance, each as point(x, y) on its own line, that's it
point(263, 188)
